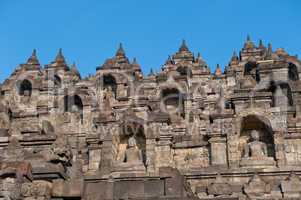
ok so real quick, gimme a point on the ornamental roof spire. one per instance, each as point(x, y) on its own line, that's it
point(120, 52)
point(183, 46)
point(248, 38)
point(261, 45)
point(218, 70)
point(60, 59)
point(151, 73)
point(249, 43)
point(270, 50)
point(169, 60)
point(135, 61)
point(183, 55)
point(199, 58)
point(234, 56)
point(234, 59)
point(33, 59)
point(74, 69)
point(270, 46)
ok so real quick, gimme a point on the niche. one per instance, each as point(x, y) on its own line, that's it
point(25, 88)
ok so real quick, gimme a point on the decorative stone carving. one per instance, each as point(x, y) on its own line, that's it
point(195, 158)
point(37, 190)
point(14, 151)
point(59, 152)
point(219, 187)
point(47, 128)
point(10, 189)
point(256, 187)
point(292, 151)
point(12, 175)
point(291, 186)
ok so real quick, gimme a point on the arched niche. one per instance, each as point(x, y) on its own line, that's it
point(47, 128)
point(281, 94)
point(74, 104)
point(25, 88)
point(293, 72)
point(108, 82)
point(191, 117)
point(53, 79)
point(264, 128)
point(57, 81)
point(229, 105)
point(130, 130)
point(10, 114)
point(172, 100)
point(251, 68)
point(184, 71)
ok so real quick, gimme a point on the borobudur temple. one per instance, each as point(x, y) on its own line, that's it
point(183, 133)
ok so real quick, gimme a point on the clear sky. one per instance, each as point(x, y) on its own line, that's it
point(89, 31)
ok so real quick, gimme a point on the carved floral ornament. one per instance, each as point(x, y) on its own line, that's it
point(36, 189)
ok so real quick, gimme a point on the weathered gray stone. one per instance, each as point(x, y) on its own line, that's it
point(183, 133)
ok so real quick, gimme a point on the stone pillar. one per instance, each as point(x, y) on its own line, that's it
point(279, 148)
point(234, 155)
point(151, 133)
point(150, 149)
point(94, 157)
point(87, 119)
point(107, 150)
point(106, 157)
point(150, 155)
point(218, 147)
point(187, 108)
point(163, 152)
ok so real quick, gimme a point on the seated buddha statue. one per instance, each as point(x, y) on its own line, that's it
point(256, 153)
point(132, 154)
point(131, 160)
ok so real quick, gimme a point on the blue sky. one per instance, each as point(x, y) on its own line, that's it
point(89, 31)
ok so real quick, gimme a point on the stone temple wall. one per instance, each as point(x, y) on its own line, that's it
point(181, 133)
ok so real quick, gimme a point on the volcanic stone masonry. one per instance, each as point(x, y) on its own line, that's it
point(181, 134)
